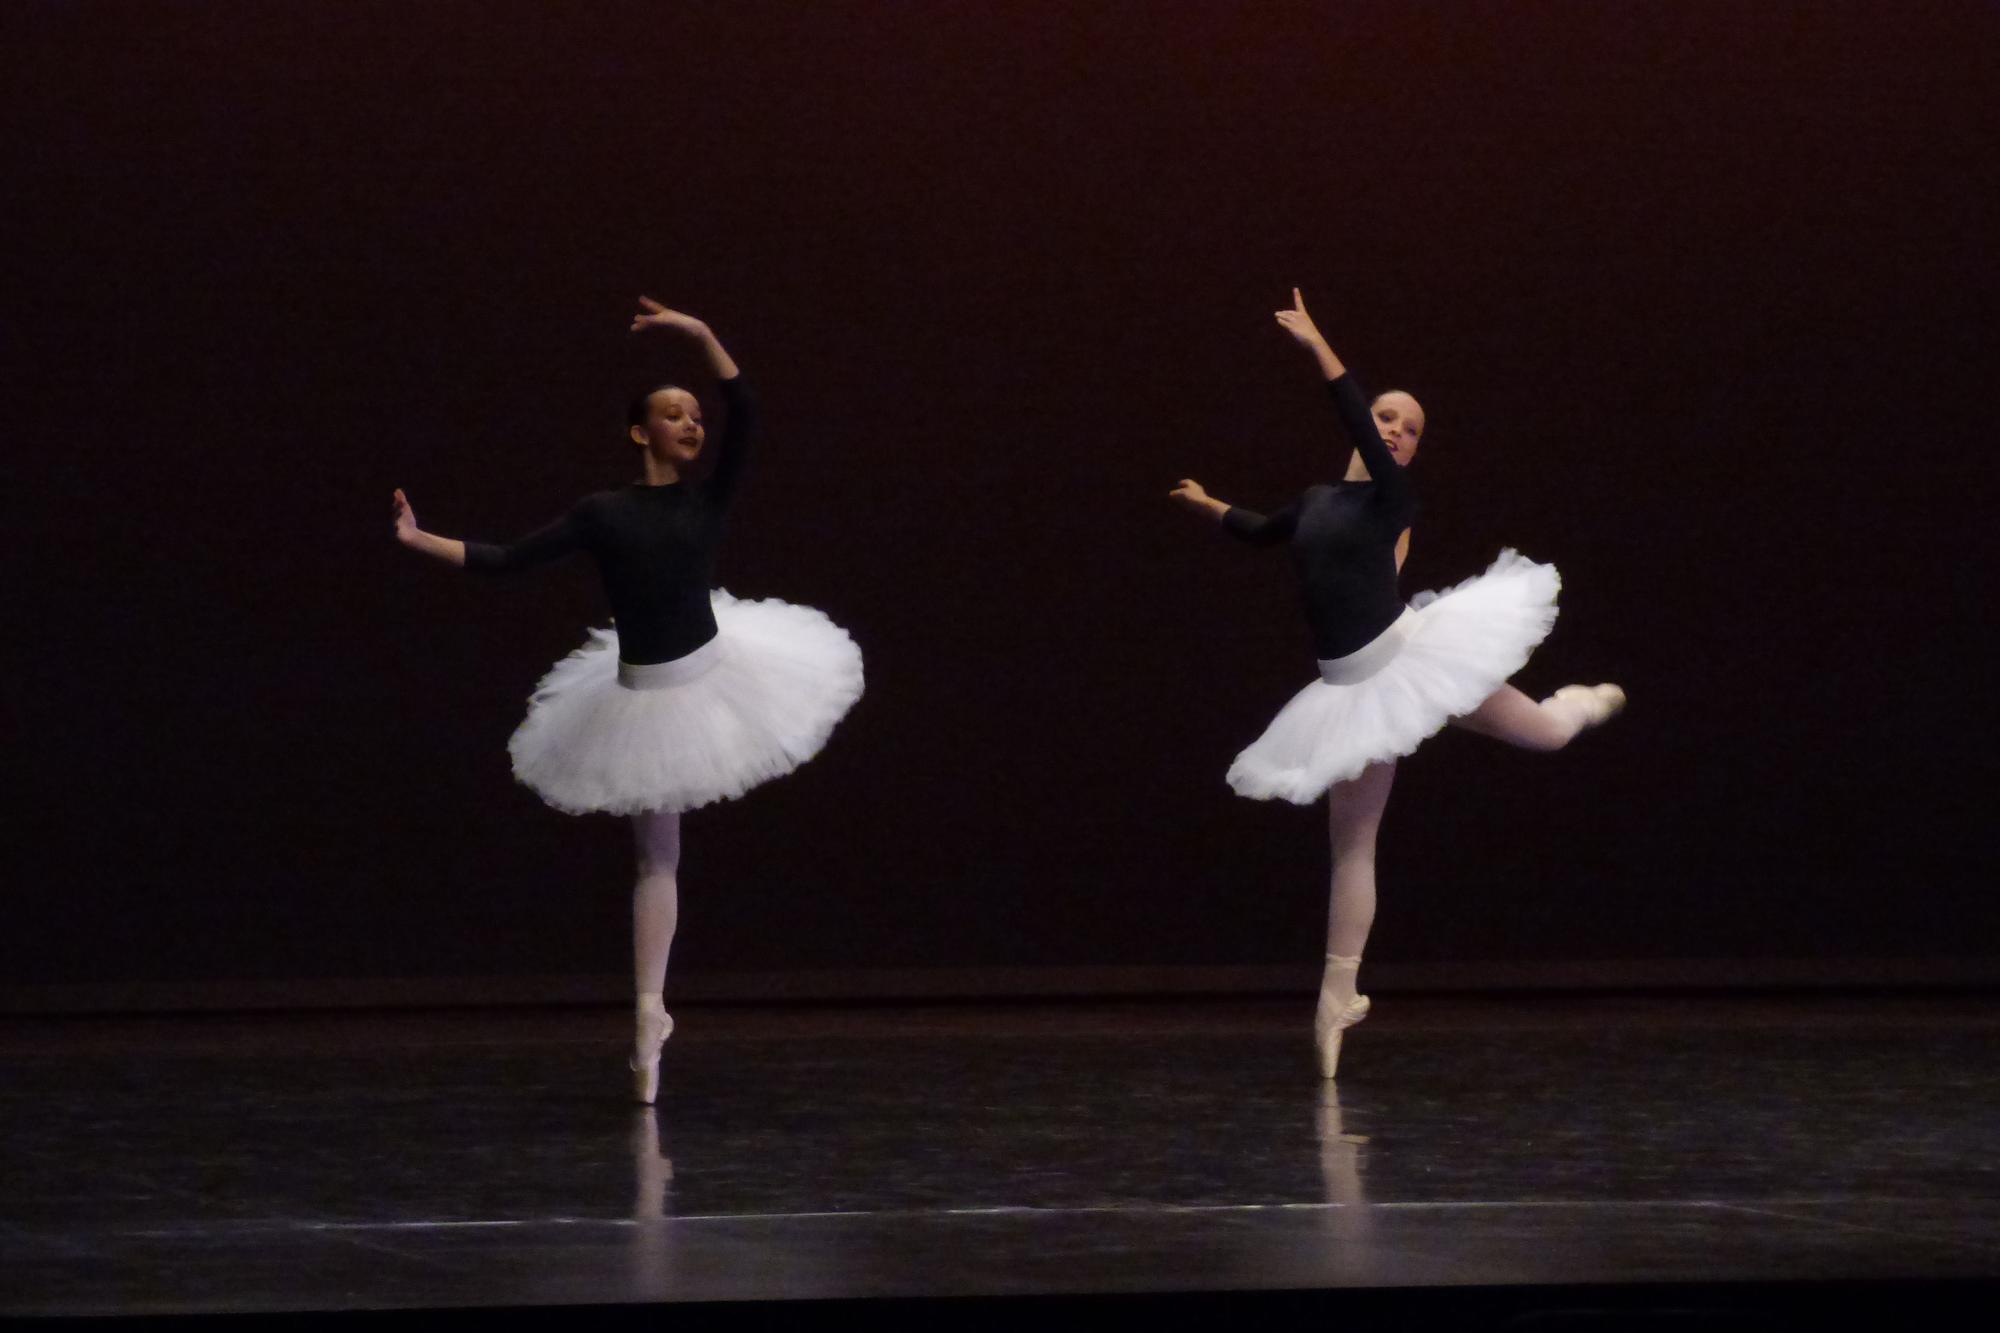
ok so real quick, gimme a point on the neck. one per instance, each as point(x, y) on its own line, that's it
point(660, 472)
point(1356, 469)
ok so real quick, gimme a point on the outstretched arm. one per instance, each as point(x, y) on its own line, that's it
point(1348, 401)
point(448, 549)
point(1246, 525)
point(553, 542)
point(737, 406)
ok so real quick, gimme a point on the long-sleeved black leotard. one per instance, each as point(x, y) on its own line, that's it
point(654, 546)
point(1343, 536)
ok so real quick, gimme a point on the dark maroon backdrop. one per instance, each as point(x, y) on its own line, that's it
point(1700, 298)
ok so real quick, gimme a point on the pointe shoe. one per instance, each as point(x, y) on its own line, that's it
point(655, 1025)
point(1600, 703)
point(1327, 1030)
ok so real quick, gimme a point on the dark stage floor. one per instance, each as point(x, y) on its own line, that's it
point(1552, 1154)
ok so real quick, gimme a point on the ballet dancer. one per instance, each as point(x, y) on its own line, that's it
point(1390, 674)
point(694, 696)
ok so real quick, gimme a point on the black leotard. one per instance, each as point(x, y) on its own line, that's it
point(654, 547)
point(1343, 537)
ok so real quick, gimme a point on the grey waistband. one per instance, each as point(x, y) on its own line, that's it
point(666, 675)
point(1365, 661)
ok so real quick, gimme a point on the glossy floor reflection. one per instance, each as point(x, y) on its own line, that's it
point(469, 1159)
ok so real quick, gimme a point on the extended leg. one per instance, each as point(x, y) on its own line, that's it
point(1511, 716)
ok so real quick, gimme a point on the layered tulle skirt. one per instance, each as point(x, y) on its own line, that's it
point(751, 704)
point(1448, 652)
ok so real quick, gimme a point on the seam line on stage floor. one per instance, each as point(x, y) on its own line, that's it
point(1767, 1210)
point(1766, 1207)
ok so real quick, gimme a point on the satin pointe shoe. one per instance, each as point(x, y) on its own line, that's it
point(654, 1026)
point(1334, 1017)
point(1600, 703)
point(1328, 1027)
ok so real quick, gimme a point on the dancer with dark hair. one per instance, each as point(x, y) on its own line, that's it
point(695, 696)
point(1390, 674)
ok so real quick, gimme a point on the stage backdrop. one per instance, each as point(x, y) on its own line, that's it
point(1699, 297)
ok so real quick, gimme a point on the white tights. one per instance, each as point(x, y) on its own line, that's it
point(656, 898)
point(1354, 816)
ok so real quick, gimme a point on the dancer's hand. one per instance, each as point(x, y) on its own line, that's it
point(406, 519)
point(1299, 324)
point(653, 315)
point(448, 549)
point(1190, 493)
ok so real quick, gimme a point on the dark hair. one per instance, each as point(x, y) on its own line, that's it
point(642, 407)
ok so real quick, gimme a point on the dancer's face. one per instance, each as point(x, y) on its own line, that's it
point(673, 429)
point(1400, 418)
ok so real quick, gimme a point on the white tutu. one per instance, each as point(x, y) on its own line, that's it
point(1449, 651)
point(751, 704)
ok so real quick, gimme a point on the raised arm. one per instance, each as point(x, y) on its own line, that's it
point(1349, 403)
point(740, 412)
point(653, 315)
point(1246, 525)
point(737, 405)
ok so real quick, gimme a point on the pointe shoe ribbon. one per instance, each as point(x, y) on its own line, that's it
point(1330, 1022)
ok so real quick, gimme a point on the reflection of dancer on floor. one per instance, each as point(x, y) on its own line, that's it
point(1390, 674)
point(1340, 1166)
point(652, 1169)
point(696, 697)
